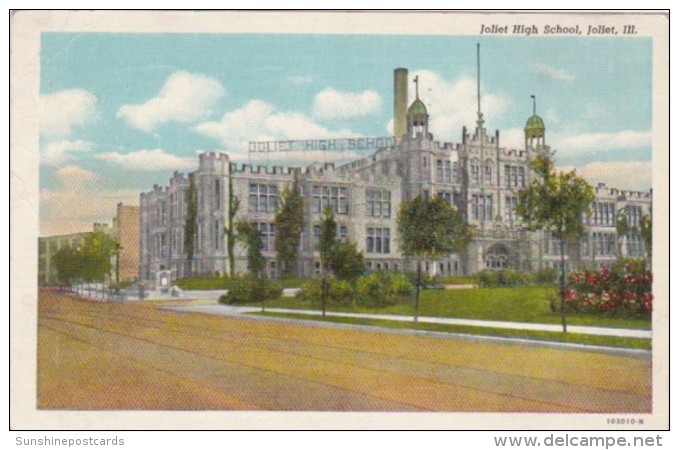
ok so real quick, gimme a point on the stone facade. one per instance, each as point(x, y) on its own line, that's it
point(478, 176)
point(126, 234)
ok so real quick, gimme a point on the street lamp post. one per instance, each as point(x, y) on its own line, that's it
point(118, 248)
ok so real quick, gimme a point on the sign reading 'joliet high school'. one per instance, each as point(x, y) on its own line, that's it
point(328, 215)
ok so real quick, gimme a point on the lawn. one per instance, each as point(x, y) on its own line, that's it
point(513, 304)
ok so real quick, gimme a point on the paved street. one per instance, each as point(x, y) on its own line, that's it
point(96, 355)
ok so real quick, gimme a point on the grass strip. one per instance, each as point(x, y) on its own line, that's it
point(543, 336)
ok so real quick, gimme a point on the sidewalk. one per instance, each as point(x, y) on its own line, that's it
point(235, 310)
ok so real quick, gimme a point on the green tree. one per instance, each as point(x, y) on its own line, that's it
point(345, 261)
point(646, 229)
point(94, 257)
point(622, 228)
point(248, 234)
point(327, 243)
point(289, 220)
point(429, 229)
point(229, 230)
point(67, 265)
point(190, 225)
point(555, 202)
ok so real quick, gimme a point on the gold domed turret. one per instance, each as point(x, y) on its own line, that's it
point(417, 117)
point(417, 108)
point(535, 127)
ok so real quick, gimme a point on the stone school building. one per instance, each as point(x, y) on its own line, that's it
point(478, 176)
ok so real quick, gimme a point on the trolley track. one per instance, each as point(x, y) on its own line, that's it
point(507, 390)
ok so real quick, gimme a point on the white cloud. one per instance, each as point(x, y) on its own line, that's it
point(546, 72)
point(148, 160)
point(512, 138)
point(333, 104)
point(390, 127)
point(59, 112)
point(625, 139)
point(453, 104)
point(551, 115)
point(184, 98)
point(578, 144)
point(75, 175)
point(260, 121)
point(75, 209)
point(628, 175)
point(60, 152)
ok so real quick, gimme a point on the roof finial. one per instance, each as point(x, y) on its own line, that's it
point(533, 97)
point(417, 90)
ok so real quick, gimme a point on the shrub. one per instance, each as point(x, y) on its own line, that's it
point(624, 289)
point(545, 276)
point(250, 289)
point(380, 289)
point(340, 292)
point(425, 279)
point(503, 278)
point(311, 291)
point(486, 278)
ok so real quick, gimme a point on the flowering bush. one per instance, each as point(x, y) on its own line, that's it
point(623, 289)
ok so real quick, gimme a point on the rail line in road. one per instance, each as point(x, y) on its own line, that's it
point(282, 367)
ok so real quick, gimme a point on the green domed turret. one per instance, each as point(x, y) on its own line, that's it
point(417, 108)
point(535, 127)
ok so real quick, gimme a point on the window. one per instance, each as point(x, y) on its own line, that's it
point(633, 214)
point(515, 176)
point(316, 237)
point(218, 233)
point(604, 213)
point(268, 233)
point(482, 207)
point(444, 171)
point(496, 257)
point(455, 172)
point(377, 203)
point(342, 233)
point(552, 244)
point(446, 196)
point(333, 196)
point(488, 173)
point(218, 195)
point(604, 244)
point(474, 172)
point(510, 209)
point(378, 240)
point(635, 246)
point(263, 198)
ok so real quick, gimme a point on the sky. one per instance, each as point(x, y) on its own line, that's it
point(121, 112)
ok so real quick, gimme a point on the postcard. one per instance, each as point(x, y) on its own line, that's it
point(339, 220)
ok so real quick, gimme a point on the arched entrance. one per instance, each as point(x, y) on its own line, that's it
point(497, 257)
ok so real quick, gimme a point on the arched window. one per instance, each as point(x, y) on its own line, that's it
point(497, 257)
point(488, 172)
point(474, 169)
